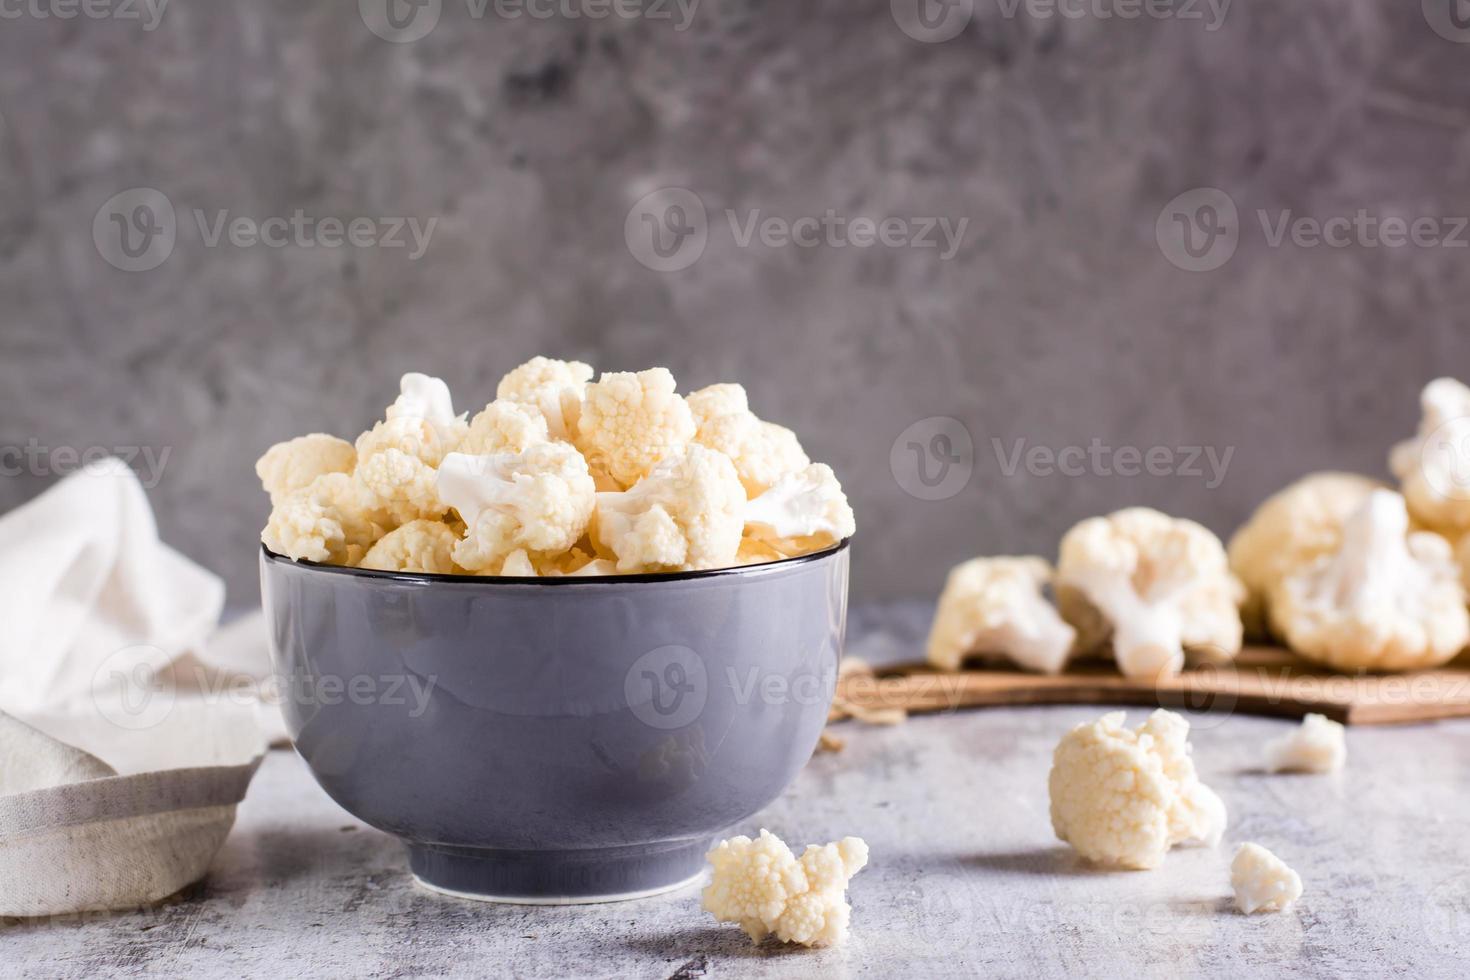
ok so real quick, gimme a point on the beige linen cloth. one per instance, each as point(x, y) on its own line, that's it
point(130, 725)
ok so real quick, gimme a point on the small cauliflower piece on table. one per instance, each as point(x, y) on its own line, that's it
point(332, 520)
point(996, 605)
point(805, 511)
point(1433, 468)
point(687, 514)
point(1387, 599)
point(504, 427)
point(1294, 526)
point(1262, 881)
point(293, 465)
point(765, 889)
point(1318, 744)
point(630, 422)
point(539, 501)
point(1153, 586)
point(555, 389)
point(418, 546)
point(1124, 797)
point(762, 452)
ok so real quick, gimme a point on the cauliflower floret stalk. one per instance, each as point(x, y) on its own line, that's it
point(538, 501)
point(805, 511)
point(295, 464)
point(332, 520)
point(687, 514)
point(1434, 466)
point(1387, 599)
point(996, 606)
point(1293, 527)
point(397, 457)
point(418, 546)
point(1124, 797)
point(762, 452)
point(553, 388)
point(1152, 584)
point(630, 422)
point(765, 889)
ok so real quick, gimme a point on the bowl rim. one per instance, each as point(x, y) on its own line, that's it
point(526, 581)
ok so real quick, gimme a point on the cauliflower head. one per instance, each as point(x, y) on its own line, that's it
point(996, 605)
point(293, 465)
point(397, 457)
point(629, 422)
point(686, 514)
point(1124, 797)
point(504, 427)
point(1293, 527)
point(1261, 881)
point(762, 452)
point(1153, 584)
point(418, 546)
point(331, 520)
point(539, 501)
point(1319, 744)
point(804, 511)
point(1386, 599)
point(1434, 467)
point(553, 388)
point(766, 890)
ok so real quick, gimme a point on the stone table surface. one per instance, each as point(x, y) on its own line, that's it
point(966, 877)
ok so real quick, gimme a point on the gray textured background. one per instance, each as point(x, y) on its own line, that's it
point(1058, 322)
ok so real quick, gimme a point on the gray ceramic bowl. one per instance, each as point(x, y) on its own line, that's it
point(556, 740)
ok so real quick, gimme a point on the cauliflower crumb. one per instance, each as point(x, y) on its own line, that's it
point(803, 512)
point(630, 422)
point(1262, 881)
point(762, 452)
point(1317, 745)
point(293, 465)
point(765, 889)
point(687, 514)
point(1124, 798)
point(995, 605)
point(418, 546)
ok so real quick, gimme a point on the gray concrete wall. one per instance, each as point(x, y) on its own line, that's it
point(1063, 317)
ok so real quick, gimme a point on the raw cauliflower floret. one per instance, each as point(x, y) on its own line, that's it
point(1319, 744)
point(1387, 599)
point(804, 511)
point(996, 605)
point(1434, 466)
point(1262, 881)
point(762, 452)
point(539, 501)
point(1123, 798)
point(631, 421)
point(397, 457)
point(418, 546)
point(329, 521)
point(554, 388)
point(293, 465)
point(423, 398)
point(765, 889)
point(504, 427)
point(1293, 527)
point(1153, 585)
point(687, 514)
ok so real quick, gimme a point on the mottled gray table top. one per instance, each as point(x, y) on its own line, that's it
point(966, 876)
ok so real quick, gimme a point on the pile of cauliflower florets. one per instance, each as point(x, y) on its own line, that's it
point(559, 475)
point(1340, 568)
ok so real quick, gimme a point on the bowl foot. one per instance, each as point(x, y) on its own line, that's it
point(569, 877)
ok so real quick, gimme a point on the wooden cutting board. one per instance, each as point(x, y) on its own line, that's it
point(1262, 680)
